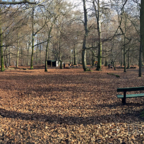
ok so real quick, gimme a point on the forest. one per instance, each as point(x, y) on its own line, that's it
point(107, 32)
point(92, 93)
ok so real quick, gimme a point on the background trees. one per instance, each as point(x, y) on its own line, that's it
point(103, 31)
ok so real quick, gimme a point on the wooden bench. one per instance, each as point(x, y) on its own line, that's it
point(123, 97)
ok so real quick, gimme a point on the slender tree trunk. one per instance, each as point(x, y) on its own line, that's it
point(85, 37)
point(60, 61)
point(140, 62)
point(128, 60)
point(121, 57)
point(99, 55)
point(141, 37)
point(93, 59)
point(1, 48)
point(99, 52)
point(46, 58)
point(28, 45)
point(17, 60)
point(40, 55)
point(75, 62)
point(21, 56)
point(124, 55)
point(6, 58)
point(31, 67)
point(106, 64)
point(97, 13)
point(71, 58)
point(37, 51)
point(9, 58)
point(48, 54)
point(125, 19)
point(47, 46)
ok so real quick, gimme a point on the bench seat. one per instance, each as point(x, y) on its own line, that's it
point(131, 95)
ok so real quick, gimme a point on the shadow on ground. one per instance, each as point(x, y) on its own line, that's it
point(70, 120)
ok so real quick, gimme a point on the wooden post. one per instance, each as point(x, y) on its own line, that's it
point(124, 98)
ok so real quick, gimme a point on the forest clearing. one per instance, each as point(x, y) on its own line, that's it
point(69, 71)
point(69, 106)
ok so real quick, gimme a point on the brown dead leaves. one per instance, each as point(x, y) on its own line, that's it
point(67, 106)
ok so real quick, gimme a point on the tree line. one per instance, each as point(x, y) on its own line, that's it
point(106, 31)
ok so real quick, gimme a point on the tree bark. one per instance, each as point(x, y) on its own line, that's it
point(93, 59)
point(124, 55)
point(128, 61)
point(6, 58)
point(37, 51)
point(97, 13)
point(31, 67)
point(47, 46)
point(9, 58)
point(17, 60)
point(85, 37)
point(40, 55)
point(141, 36)
point(1, 48)
point(125, 22)
point(21, 56)
point(75, 62)
point(121, 57)
point(28, 45)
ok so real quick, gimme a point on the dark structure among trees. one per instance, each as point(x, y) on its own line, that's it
point(52, 63)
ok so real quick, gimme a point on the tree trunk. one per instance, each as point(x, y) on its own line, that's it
point(106, 63)
point(31, 67)
point(75, 63)
point(46, 55)
point(141, 36)
point(28, 45)
point(1, 48)
point(128, 61)
point(40, 54)
point(124, 55)
point(9, 58)
point(85, 37)
point(93, 59)
point(121, 57)
point(6, 59)
point(125, 19)
point(99, 56)
point(17, 60)
point(21, 56)
point(37, 52)
point(60, 61)
point(97, 13)
point(61, 64)
point(47, 46)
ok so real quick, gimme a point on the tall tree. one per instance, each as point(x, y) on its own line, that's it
point(84, 63)
point(141, 36)
point(97, 14)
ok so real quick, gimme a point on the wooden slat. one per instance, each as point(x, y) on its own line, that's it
point(130, 89)
point(131, 95)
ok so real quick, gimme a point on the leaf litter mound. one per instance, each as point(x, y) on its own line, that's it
point(69, 106)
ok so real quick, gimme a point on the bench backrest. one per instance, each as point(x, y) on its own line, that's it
point(130, 89)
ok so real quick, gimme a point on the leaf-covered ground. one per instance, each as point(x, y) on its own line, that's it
point(69, 106)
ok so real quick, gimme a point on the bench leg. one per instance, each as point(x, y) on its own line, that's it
point(124, 99)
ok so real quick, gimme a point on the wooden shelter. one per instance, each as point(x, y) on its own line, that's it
point(52, 63)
